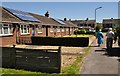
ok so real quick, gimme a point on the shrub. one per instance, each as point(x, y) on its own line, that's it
point(118, 28)
point(82, 31)
point(98, 27)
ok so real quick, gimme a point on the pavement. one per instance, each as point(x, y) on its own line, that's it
point(100, 61)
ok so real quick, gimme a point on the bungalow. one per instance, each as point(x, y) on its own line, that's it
point(110, 23)
point(16, 25)
point(50, 26)
point(70, 27)
point(12, 26)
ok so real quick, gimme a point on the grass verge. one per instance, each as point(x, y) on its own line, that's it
point(14, 71)
point(79, 36)
point(76, 66)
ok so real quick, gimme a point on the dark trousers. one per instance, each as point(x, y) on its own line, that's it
point(109, 43)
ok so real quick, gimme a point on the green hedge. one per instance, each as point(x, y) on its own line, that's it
point(61, 41)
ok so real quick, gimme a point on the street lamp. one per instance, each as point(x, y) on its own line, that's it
point(96, 10)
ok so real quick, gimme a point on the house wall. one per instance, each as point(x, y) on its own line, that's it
point(12, 39)
point(67, 31)
point(8, 39)
point(43, 32)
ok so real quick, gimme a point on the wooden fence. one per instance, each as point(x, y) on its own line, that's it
point(43, 60)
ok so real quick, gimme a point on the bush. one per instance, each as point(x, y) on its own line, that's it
point(117, 28)
point(82, 31)
point(98, 27)
point(61, 41)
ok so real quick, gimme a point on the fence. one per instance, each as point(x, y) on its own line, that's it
point(43, 60)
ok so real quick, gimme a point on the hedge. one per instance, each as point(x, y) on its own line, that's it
point(61, 41)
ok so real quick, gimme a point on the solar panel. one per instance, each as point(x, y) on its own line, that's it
point(59, 21)
point(22, 15)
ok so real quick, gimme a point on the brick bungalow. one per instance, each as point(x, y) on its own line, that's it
point(70, 27)
point(50, 26)
point(55, 27)
point(14, 29)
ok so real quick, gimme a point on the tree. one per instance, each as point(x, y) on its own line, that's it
point(118, 33)
point(98, 27)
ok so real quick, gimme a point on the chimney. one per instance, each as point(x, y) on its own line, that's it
point(47, 14)
point(65, 19)
point(69, 19)
point(111, 18)
point(86, 19)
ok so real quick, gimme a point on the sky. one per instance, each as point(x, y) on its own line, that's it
point(69, 10)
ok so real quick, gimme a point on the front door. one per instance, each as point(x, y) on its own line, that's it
point(33, 31)
point(47, 30)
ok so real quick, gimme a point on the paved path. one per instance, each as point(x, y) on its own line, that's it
point(98, 61)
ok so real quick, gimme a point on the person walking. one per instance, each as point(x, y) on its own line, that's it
point(115, 36)
point(110, 37)
point(99, 37)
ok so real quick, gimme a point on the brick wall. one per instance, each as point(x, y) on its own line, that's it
point(8, 39)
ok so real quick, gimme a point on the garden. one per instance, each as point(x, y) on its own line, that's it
point(71, 56)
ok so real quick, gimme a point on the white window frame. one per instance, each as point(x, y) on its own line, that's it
point(58, 29)
point(51, 28)
point(63, 29)
point(24, 26)
point(9, 29)
point(39, 28)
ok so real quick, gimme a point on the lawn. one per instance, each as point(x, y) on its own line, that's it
point(79, 36)
point(72, 69)
point(14, 71)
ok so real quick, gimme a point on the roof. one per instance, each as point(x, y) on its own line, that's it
point(45, 20)
point(111, 20)
point(83, 21)
point(7, 17)
point(69, 23)
point(10, 18)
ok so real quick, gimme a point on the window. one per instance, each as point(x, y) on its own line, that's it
point(39, 29)
point(63, 29)
point(67, 29)
point(51, 29)
point(58, 29)
point(24, 29)
point(0, 28)
point(70, 29)
point(6, 29)
point(55, 29)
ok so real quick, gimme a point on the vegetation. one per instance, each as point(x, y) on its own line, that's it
point(118, 29)
point(98, 27)
point(76, 66)
point(82, 31)
point(80, 35)
point(14, 71)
